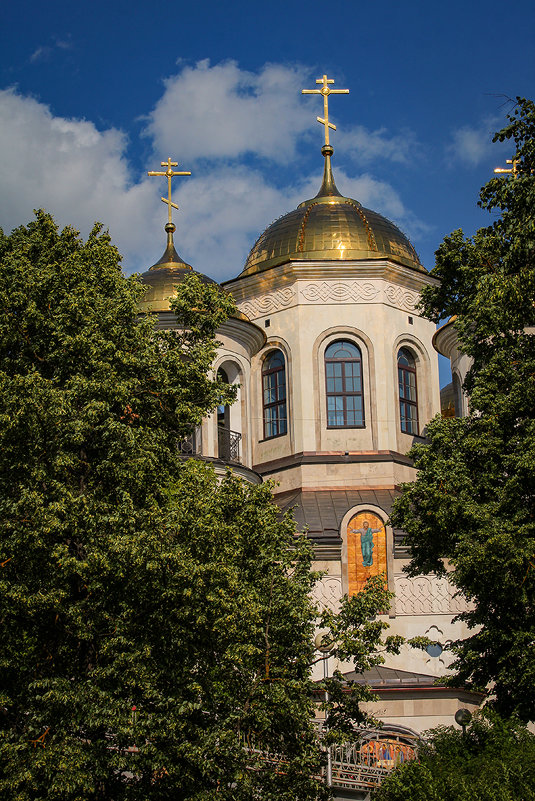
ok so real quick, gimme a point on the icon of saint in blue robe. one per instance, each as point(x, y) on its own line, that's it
point(366, 542)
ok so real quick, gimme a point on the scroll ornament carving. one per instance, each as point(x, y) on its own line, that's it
point(427, 595)
point(328, 592)
point(266, 304)
point(401, 297)
point(339, 291)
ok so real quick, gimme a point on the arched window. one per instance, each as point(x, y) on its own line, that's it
point(408, 394)
point(343, 377)
point(457, 395)
point(274, 395)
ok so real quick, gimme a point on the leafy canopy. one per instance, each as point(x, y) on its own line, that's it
point(493, 761)
point(474, 498)
point(157, 626)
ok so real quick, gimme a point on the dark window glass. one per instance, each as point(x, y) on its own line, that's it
point(343, 381)
point(274, 395)
point(408, 394)
point(223, 411)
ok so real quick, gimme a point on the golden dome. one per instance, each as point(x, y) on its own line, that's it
point(163, 277)
point(330, 227)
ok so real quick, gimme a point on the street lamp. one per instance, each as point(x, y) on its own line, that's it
point(325, 645)
point(462, 718)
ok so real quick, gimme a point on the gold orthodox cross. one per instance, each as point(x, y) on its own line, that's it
point(513, 171)
point(325, 91)
point(169, 173)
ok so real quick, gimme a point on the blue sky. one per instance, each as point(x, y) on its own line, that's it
point(93, 95)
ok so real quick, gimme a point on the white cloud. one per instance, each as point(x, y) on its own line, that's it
point(44, 52)
point(473, 144)
point(364, 146)
point(222, 111)
point(73, 170)
point(225, 211)
point(383, 198)
point(81, 174)
point(225, 112)
point(41, 53)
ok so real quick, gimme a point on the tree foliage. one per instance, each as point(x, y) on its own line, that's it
point(474, 499)
point(493, 761)
point(157, 625)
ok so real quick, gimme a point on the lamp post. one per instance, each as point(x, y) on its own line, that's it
point(462, 718)
point(324, 645)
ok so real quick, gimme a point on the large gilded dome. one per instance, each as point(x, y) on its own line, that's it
point(330, 227)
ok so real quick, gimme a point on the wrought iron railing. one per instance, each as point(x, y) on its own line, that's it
point(364, 764)
point(228, 444)
point(359, 766)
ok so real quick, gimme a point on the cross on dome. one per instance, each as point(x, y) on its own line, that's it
point(325, 91)
point(513, 171)
point(169, 173)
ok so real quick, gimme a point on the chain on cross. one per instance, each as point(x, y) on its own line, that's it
point(325, 91)
point(169, 173)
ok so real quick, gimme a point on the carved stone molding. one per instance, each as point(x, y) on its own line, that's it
point(331, 292)
point(399, 296)
point(328, 592)
point(266, 304)
point(339, 291)
point(427, 595)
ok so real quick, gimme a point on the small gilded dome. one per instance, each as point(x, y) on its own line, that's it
point(330, 227)
point(162, 278)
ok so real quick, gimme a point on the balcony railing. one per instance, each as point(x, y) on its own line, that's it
point(228, 444)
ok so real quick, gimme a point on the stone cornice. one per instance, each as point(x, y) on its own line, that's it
point(285, 274)
point(445, 339)
point(304, 458)
point(241, 330)
point(245, 332)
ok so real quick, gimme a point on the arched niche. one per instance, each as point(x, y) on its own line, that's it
point(367, 548)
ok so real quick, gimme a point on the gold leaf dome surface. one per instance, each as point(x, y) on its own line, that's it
point(162, 279)
point(330, 227)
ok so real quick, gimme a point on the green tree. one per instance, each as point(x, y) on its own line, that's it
point(473, 502)
point(493, 761)
point(157, 626)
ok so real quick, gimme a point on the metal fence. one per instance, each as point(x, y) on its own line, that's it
point(364, 764)
point(228, 443)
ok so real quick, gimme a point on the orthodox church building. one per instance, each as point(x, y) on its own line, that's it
point(337, 377)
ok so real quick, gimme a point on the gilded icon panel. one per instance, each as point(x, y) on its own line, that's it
point(366, 550)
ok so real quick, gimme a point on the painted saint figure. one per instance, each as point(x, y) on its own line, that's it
point(366, 542)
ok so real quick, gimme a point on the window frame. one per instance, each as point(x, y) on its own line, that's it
point(280, 405)
point(344, 394)
point(404, 372)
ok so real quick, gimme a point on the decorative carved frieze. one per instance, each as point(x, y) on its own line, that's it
point(267, 304)
point(399, 296)
point(328, 592)
point(339, 291)
point(331, 292)
point(427, 595)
